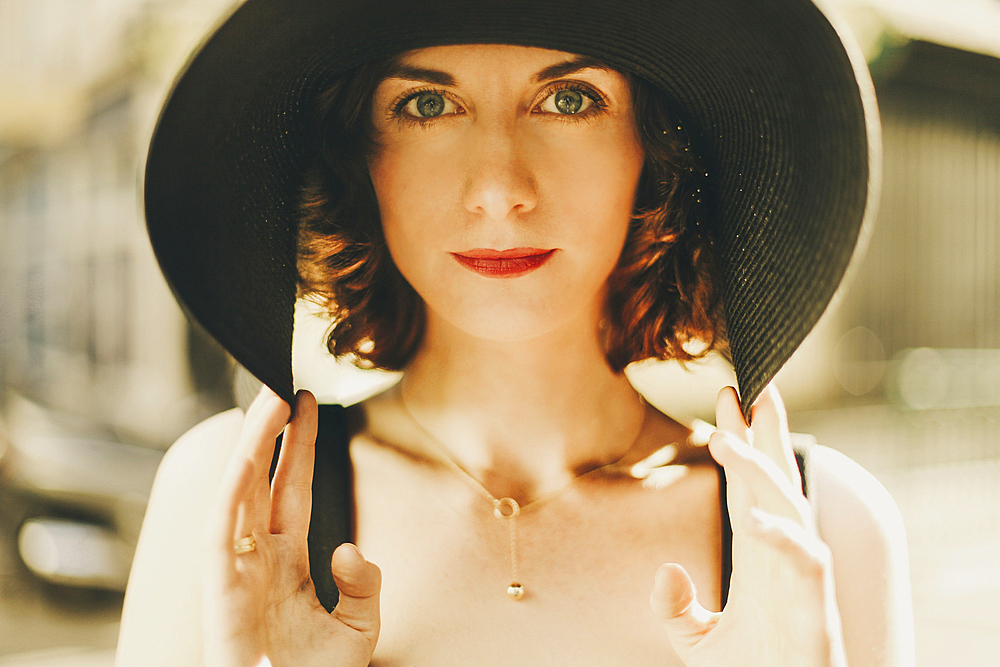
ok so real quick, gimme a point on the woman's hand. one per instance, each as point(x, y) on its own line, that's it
point(782, 606)
point(262, 602)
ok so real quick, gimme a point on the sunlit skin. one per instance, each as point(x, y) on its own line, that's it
point(501, 168)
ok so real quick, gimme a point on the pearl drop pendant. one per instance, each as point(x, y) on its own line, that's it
point(515, 591)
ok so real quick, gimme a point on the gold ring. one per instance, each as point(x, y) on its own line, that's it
point(245, 545)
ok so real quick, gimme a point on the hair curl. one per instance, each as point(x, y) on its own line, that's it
point(663, 297)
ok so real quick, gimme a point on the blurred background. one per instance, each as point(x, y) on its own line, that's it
point(100, 371)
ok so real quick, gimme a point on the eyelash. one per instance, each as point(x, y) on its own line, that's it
point(397, 113)
point(600, 104)
point(396, 108)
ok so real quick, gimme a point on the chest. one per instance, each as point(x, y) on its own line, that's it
point(586, 559)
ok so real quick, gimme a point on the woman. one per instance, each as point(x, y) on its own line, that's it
point(511, 202)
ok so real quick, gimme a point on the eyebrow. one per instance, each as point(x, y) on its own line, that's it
point(410, 73)
point(439, 78)
point(568, 67)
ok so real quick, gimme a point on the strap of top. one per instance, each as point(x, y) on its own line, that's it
point(727, 536)
point(332, 520)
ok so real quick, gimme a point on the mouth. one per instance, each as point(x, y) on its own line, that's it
point(511, 263)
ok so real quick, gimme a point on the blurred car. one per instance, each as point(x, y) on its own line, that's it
point(74, 494)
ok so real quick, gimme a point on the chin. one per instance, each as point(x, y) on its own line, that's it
point(519, 322)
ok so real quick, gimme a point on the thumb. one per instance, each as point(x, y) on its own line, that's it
point(359, 583)
point(675, 602)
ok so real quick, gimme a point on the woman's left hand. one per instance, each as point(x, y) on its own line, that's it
point(782, 607)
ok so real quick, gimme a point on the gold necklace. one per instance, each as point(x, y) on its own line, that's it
point(507, 508)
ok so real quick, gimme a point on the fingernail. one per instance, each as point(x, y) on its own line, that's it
point(354, 551)
point(663, 570)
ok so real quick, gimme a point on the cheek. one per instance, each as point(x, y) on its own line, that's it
point(409, 200)
point(585, 184)
point(395, 187)
point(598, 181)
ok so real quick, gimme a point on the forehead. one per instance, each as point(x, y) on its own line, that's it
point(491, 60)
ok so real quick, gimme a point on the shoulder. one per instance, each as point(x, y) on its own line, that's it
point(161, 619)
point(204, 449)
point(189, 475)
point(862, 525)
point(848, 498)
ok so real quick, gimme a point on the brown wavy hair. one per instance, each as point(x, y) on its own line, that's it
point(663, 297)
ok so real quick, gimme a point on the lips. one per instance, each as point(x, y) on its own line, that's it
point(510, 263)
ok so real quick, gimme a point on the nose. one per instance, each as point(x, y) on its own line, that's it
point(499, 182)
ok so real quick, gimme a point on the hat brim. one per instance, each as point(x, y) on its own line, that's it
point(780, 110)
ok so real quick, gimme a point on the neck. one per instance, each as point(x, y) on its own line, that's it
point(524, 417)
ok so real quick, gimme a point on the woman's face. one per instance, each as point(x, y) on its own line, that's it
point(505, 179)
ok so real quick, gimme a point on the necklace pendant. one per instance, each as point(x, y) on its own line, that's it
point(515, 591)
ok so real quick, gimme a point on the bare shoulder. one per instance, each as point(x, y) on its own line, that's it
point(161, 619)
point(189, 476)
point(846, 495)
point(201, 454)
point(863, 527)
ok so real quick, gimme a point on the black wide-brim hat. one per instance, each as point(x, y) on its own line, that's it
point(780, 110)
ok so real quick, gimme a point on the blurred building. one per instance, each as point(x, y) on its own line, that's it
point(918, 333)
point(931, 277)
point(86, 323)
point(99, 370)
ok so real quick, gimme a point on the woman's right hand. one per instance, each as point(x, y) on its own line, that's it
point(263, 602)
point(782, 606)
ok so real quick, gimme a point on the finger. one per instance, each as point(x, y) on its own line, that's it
point(729, 415)
point(241, 453)
point(359, 583)
point(233, 515)
point(769, 486)
point(260, 430)
point(291, 489)
point(261, 398)
point(675, 602)
point(225, 520)
point(770, 432)
point(808, 554)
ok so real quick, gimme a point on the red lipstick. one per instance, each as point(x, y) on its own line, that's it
point(510, 263)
